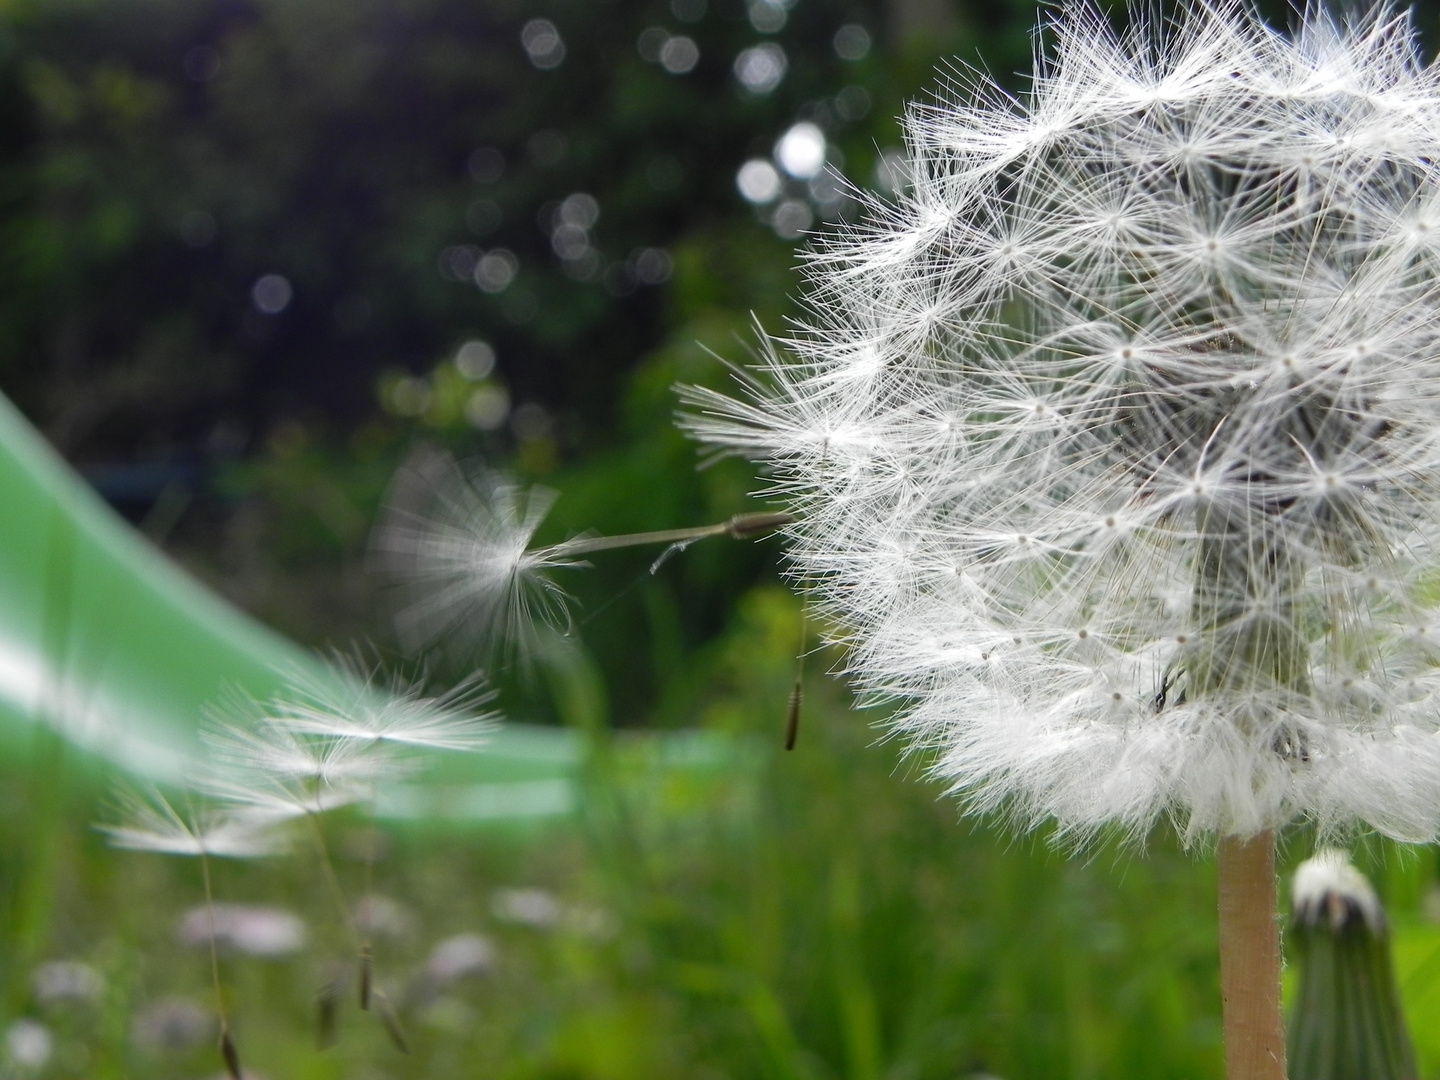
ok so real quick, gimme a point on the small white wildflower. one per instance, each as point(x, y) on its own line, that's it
point(461, 543)
point(1114, 444)
point(536, 908)
point(66, 980)
point(380, 916)
point(268, 932)
point(29, 1044)
point(459, 957)
point(172, 1024)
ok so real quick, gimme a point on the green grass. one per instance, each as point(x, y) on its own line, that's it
point(817, 914)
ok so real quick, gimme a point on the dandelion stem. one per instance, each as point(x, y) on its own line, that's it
point(367, 952)
point(227, 1045)
point(1250, 651)
point(1244, 605)
point(739, 527)
point(1250, 959)
point(332, 880)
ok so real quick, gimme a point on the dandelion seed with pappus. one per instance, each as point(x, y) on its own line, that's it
point(1114, 445)
point(460, 541)
point(327, 740)
point(458, 538)
point(149, 822)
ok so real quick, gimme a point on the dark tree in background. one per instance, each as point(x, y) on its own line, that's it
point(222, 217)
point(254, 252)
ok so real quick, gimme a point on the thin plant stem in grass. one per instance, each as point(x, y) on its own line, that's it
point(367, 992)
point(367, 945)
point(797, 693)
point(228, 1052)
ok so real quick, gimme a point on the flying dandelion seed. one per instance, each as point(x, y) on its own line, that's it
point(329, 737)
point(148, 822)
point(460, 541)
point(461, 544)
point(351, 704)
point(270, 750)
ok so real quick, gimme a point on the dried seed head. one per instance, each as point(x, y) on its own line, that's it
point(1114, 445)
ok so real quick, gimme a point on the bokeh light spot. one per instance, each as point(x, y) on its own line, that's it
point(271, 294)
point(801, 150)
point(487, 407)
point(475, 359)
point(768, 16)
point(652, 265)
point(543, 44)
point(651, 40)
point(761, 68)
point(791, 218)
point(758, 181)
point(580, 209)
point(495, 270)
point(679, 55)
point(852, 42)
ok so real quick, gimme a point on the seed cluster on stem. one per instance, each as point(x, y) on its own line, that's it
point(1114, 444)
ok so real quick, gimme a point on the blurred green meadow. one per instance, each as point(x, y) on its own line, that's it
point(819, 913)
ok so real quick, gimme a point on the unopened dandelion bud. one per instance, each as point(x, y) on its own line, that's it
point(1347, 1022)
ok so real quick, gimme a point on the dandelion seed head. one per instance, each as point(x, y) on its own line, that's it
point(1114, 443)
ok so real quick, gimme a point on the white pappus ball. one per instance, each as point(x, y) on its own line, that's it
point(1114, 443)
